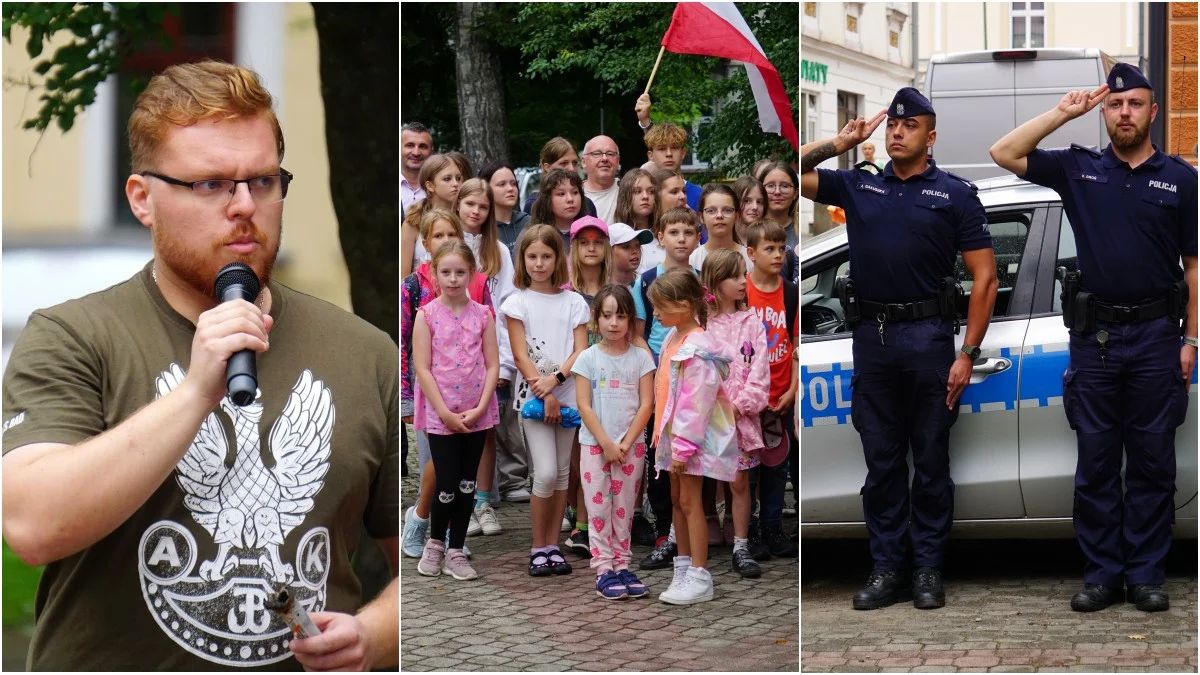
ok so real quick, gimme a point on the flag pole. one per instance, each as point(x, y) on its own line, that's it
point(652, 72)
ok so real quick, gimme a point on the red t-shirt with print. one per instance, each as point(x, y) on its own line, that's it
point(770, 308)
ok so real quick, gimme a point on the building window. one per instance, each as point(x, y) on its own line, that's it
point(853, 14)
point(198, 31)
point(810, 18)
point(848, 107)
point(692, 161)
point(811, 116)
point(1028, 25)
point(895, 21)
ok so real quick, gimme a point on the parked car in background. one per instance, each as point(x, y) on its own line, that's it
point(981, 96)
point(39, 274)
point(1012, 453)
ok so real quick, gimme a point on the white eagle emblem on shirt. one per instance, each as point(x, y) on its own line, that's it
point(248, 506)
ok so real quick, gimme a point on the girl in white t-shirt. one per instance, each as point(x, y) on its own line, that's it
point(614, 385)
point(552, 326)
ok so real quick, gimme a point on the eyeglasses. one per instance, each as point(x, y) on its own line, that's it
point(725, 211)
point(597, 155)
point(268, 189)
point(778, 187)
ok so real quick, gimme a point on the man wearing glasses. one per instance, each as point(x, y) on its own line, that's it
point(166, 515)
point(601, 161)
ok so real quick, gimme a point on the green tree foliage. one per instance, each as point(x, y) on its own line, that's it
point(81, 65)
point(559, 57)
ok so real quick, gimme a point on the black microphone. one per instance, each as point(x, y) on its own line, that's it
point(236, 281)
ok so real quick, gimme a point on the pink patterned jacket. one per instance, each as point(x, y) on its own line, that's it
point(749, 382)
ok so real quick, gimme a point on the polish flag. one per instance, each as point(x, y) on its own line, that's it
point(718, 29)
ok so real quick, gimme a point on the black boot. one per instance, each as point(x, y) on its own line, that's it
point(1149, 597)
point(758, 547)
point(662, 556)
point(884, 588)
point(1095, 597)
point(779, 544)
point(927, 588)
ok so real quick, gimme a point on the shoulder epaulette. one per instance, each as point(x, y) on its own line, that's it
point(1184, 162)
point(864, 165)
point(968, 183)
point(1083, 148)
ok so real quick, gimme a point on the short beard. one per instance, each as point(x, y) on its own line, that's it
point(199, 271)
point(1125, 141)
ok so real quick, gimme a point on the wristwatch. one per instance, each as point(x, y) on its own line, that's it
point(1189, 340)
point(559, 376)
point(971, 351)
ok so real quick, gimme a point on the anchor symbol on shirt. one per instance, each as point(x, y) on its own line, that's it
point(253, 607)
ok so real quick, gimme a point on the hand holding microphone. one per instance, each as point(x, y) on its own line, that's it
point(227, 338)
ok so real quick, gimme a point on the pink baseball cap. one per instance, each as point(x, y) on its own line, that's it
point(586, 222)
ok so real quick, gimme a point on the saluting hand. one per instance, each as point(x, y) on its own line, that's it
point(859, 130)
point(960, 377)
point(1076, 103)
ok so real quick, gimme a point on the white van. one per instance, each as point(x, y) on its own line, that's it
point(981, 96)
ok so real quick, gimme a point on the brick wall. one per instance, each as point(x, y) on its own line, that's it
point(1181, 106)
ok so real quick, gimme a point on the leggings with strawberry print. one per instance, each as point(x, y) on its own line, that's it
point(611, 489)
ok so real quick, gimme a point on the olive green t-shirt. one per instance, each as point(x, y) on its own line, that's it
point(273, 493)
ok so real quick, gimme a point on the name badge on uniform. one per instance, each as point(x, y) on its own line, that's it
point(868, 187)
point(1089, 176)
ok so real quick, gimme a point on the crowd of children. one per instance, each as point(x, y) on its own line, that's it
point(646, 366)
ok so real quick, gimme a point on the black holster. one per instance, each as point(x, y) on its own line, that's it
point(1078, 308)
point(848, 296)
point(1178, 305)
point(948, 295)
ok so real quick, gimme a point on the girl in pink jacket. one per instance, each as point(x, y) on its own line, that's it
point(733, 324)
point(694, 424)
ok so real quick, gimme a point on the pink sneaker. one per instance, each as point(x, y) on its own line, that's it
point(456, 565)
point(431, 558)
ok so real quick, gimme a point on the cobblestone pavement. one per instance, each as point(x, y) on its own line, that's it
point(509, 621)
point(1007, 610)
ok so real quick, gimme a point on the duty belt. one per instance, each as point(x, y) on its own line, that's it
point(901, 311)
point(1147, 311)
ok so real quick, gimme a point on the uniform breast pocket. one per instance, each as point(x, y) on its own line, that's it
point(1158, 211)
point(932, 217)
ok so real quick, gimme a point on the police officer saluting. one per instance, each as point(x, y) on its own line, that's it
point(1133, 210)
point(905, 227)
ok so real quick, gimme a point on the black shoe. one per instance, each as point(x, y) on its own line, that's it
point(642, 532)
point(1149, 597)
point(662, 556)
point(743, 564)
point(779, 544)
point(1095, 597)
point(927, 588)
point(758, 547)
point(558, 564)
point(578, 543)
point(884, 588)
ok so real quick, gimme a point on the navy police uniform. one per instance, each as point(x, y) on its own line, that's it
point(904, 236)
point(1131, 227)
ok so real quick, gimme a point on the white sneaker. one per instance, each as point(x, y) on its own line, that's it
point(682, 563)
point(486, 517)
point(567, 525)
point(473, 526)
point(696, 587)
point(518, 495)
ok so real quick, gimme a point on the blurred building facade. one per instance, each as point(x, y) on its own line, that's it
point(71, 186)
point(1181, 104)
point(853, 58)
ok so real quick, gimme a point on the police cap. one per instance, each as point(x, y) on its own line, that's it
point(909, 103)
point(1124, 77)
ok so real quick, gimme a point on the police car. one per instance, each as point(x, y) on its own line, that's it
point(1012, 454)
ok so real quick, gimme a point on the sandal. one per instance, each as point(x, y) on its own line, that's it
point(540, 569)
point(633, 585)
point(558, 564)
point(610, 586)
